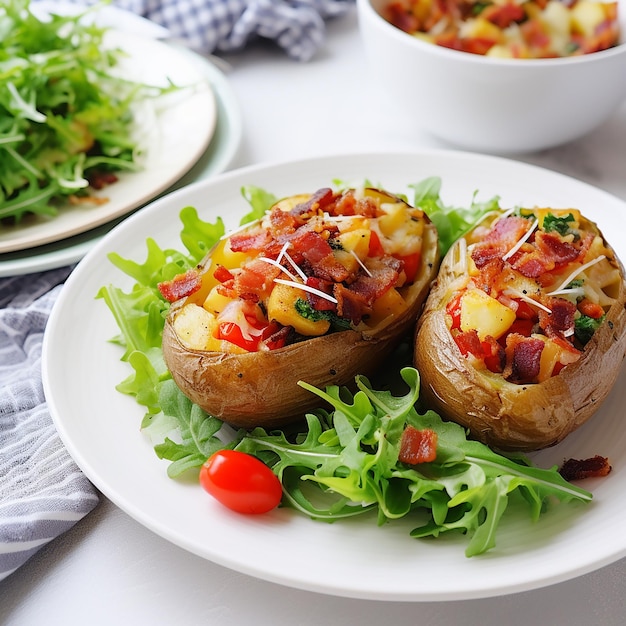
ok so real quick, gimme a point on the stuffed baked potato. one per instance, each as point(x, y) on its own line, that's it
point(524, 331)
point(322, 288)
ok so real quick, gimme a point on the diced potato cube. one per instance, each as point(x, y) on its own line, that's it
point(586, 17)
point(194, 327)
point(485, 314)
point(357, 241)
point(215, 302)
point(281, 307)
point(224, 255)
point(353, 242)
point(391, 303)
point(393, 219)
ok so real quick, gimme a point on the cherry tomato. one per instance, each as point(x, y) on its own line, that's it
point(241, 482)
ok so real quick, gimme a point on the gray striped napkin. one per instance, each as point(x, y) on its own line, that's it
point(42, 492)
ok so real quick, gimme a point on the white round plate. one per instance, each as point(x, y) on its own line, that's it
point(101, 427)
point(174, 131)
point(217, 157)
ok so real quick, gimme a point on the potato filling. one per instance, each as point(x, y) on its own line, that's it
point(531, 29)
point(532, 287)
point(315, 264)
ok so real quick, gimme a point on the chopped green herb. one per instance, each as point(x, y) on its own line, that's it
point(553, 222)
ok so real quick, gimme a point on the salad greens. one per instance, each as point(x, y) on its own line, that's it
point(66, 121)
point(345, 461)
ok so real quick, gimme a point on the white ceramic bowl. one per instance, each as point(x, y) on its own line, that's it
point(489, 104)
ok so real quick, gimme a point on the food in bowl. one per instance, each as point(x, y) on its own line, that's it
point(524, 332)
point(487, 103)
point(533, 29)
point(320, 289)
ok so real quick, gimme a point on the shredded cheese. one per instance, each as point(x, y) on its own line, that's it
point(283, 253)
point(302, 287)
point(514, 293)
point(356, 256)
point(575, 273)
point(278, 265)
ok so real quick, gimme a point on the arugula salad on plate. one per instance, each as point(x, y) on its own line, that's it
point(371, 450)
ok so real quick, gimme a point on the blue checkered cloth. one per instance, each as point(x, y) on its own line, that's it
point(209, 26)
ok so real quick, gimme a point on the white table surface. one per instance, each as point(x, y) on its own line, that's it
point(111, 570)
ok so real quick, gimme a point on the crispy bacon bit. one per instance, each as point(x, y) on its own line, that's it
point(180, 286)
point(317, 302)
point(320, 199)
point(99, 179)
point(485, 252)
point(246, 242)
point(255, 280)
point(577, 469)
point(350, 305)
point(222, 274)
point(523, 355)
point(281, 223)
point(554, 248)
point(418, 446)
point(560, 320)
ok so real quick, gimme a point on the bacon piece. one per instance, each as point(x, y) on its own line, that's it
point(523, 356)
point(318, 302)
point(180, 286)
point(418, 446)
point(383, 276)
point(222, 274)
point(469, 343)
point(318, 200)
point(281, 223)
point(490, 274)
point(314, 249)
point(532, 264)
point(483, 253)
point(577, 469)
point(554, 248)
point(507, 230)
point(560, 320)
point(350, 305)
point(246, 242)
point(255, 280)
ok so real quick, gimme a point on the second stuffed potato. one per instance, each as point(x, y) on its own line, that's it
point(321, 289)
point(524, 332)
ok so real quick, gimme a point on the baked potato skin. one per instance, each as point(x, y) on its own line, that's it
point(504, 415)
point(260, 388)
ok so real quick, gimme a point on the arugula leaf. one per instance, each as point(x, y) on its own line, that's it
point(352, 454)
point(64, 116)
point(451, 222)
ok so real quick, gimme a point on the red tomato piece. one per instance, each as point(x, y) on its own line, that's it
point(411, 265)
point(376, 247)
point(241, 482)
point(229, 331)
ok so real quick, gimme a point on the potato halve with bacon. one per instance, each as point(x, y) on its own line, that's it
point(321, 289)
point(524, 331)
